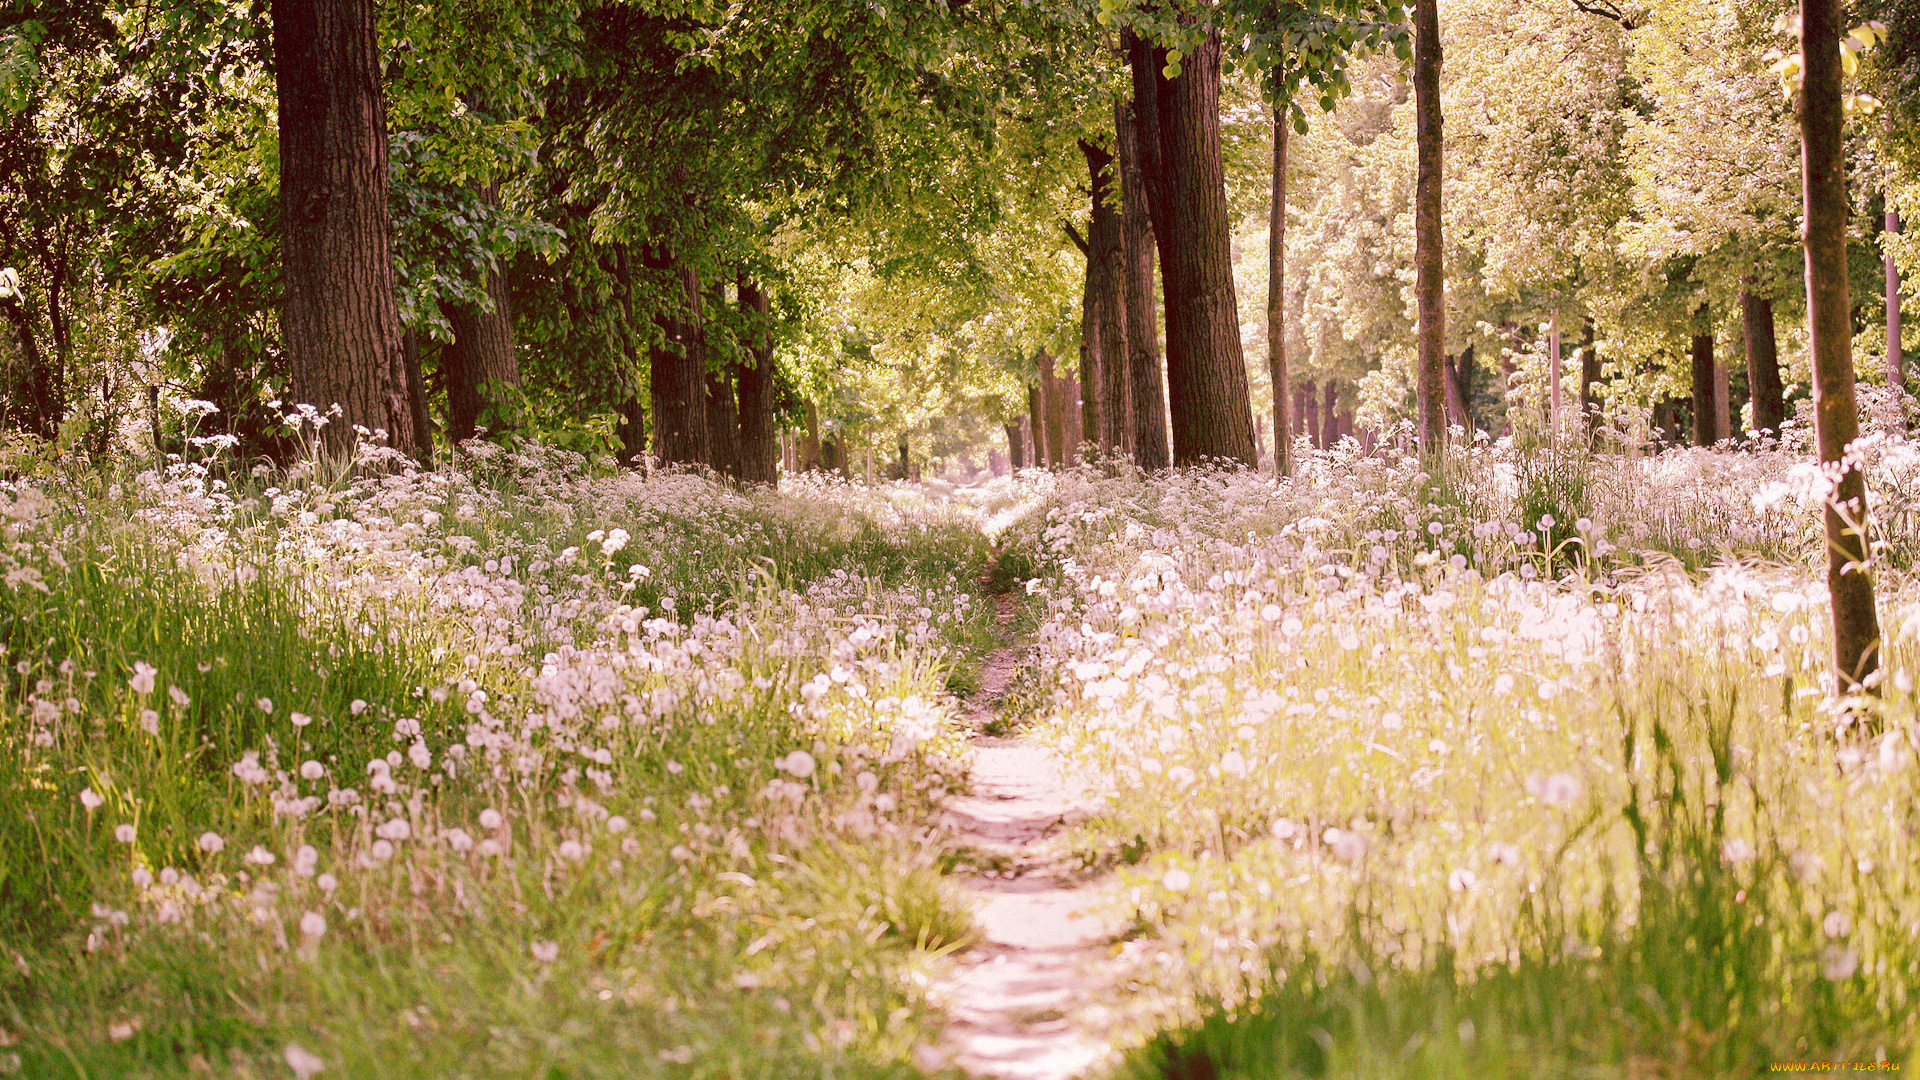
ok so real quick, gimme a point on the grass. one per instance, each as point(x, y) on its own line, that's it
point(448, 789)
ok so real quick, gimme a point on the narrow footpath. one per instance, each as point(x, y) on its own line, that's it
point(1025, 1001)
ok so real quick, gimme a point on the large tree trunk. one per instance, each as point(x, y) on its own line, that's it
point(1037, 423)
point(1106, 235)
point(1211, 413)
point(1763, 363)
point(1309, 413)
point(679, 380)
point(723, 423)
point(481, 362)
point(1016, 446)
point(34, 392)
point(1053, 397)
point(1277, 300)
point(1703, 403)
point(1429, 273)
point(758, 449)
point(810, 449)
point(1456, 376)
point(417, 397)
point(1330, 416)
point(1589, 374)
point(630, 407)
point(1145, 377)
point(1856, 626)
point(1090, 359)
point(339, 323)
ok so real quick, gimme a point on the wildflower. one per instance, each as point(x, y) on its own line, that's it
point(91, 799)
point(1462, 880)
point(572, 851)
point(546, 951)
point(260, 856)
point(616, 824)
point(1176, 880)
point(357, 707)
point(1283, 829)
point(304, 1063)
point(382, 850)
point(299, 719)
point(150, 721)
point(312, 924)
point(459, 840)
point(1837, 924)
point(265, 704)
point(142, 876)
point(1838, 963)
point(491, 819)
point(122, 1030)
point(799, 763)
point(212, 843)
point(327, 882)
point(305, 860)
point(312, 770)
point(178, 695)
point(142, 681)
point(1347, 846)
point(1736, 851)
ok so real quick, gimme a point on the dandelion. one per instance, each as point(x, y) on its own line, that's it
point(305, 860)
point(150, 721)
point(312, 924)
point(91, 799)
point(357, 707)
point(122, 1030)
point(212, 843)
point(381, 851)
point(572, 851)
point(1283, 829)
point(1736, 851)
point(546, 951)
point(299, 719)
point(143, 674)
point(1176, 880)
point(265, 704)
point(1837, 924)
point(459, 840)
point(799, 763)
point(327, 882)
point(1838, 963)
point(616, 824)
point(491, 819)
point(304, 1063)
point(123, 833)
point(1346, 845)
point(1233, 764)
point(312, 770)
point(260, 856)
point(1462, 880)
point(178, 695)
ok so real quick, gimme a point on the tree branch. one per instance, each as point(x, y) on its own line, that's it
point(1079, 241)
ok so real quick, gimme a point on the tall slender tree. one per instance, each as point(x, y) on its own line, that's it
point(1429, 273)
point(1138, 127)
point(1856, 624)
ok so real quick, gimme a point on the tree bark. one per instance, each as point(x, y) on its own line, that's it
point(1553, 378)
point(679, 379)
point(1016, 446)
point(1330, 416)
point(1277, 300)
point(1145, 376)
point(1703, 403)
point(34, 393)
point(723, 422)
point(1106, 237)
point(1037, 421)
point(810, 452)
point(1053, 395)
point(481, 361)
point(1309, 413)
point(417, 398)
point(1763, 363)
point(1090, 359)
point(1856, 625)
point(1589, 374)
point(1207, 398)
point(758, 448)
point(339, 322)
point(1429, 272)
point(1455, 372)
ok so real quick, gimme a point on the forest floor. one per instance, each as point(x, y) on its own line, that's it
point(528, 768)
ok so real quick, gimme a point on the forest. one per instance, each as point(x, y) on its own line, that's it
point(924, 539)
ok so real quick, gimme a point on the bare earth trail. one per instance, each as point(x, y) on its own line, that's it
point(1025, 1002)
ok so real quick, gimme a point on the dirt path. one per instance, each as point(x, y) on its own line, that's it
point(1024, 1002)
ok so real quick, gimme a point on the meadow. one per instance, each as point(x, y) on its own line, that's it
point(1528, 765)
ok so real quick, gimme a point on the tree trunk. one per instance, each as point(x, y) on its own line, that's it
point(1589, 374)
point(1763, 363)
point(339, 323)
point(1309, 413)
point(1704, 408)
point(1107, 237)
point(1429, 273)
point(1090, 365)
point(1455, 372)
point(1016, 446)
point(1277, 299)
point(1037, 422)
point(1722, 401)
point(758, 448)
point(1856, 626)
point(1073, 403)
point(679, 380)
point(1053, 394)
point(1145, 377)
point(811, 453)
point(1330, 416)
point(723, 423)
point(1208, 403)
point(34, 394)
point(417, 398)
point(481, 360)
point(633, 414)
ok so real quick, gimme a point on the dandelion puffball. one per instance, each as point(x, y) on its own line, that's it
point(490, 818)
point(312, 924)
point(799, 763)
point(212, 843)
point(304, 1063)
point(91, 799)
point(546, 951)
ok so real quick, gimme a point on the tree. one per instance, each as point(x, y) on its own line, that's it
point(1430, 279)
point(1146, 373)
point(339, 323)
point(1856, 625)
